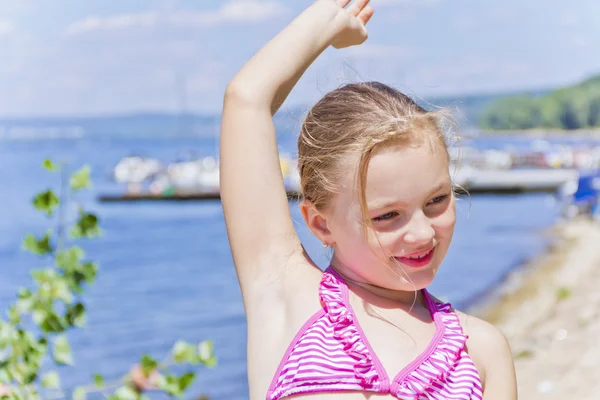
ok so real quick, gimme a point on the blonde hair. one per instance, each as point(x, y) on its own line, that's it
point(358, 119)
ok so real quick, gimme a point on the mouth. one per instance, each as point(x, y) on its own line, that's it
point(418, 260)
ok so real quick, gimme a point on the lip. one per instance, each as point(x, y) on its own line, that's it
point(418, 263)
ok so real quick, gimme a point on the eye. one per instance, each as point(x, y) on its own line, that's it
point(439, 199)
point(386, 216)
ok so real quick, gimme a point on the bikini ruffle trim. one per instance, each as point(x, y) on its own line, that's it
point(345, 331)
point(437, 366)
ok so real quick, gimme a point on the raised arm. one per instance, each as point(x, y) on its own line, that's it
point(257, 215)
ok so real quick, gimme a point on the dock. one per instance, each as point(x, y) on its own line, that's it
point(514, 181)
point(469, 181)
point(189, 196)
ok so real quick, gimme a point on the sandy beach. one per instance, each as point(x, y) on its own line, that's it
point(550, 312)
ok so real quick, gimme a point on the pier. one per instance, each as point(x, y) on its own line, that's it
point(468, 180)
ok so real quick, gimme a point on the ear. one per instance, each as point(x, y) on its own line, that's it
point(316, 221)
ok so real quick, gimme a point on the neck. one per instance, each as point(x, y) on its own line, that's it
point(377, 295)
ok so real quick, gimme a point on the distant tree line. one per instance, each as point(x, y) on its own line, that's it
point(574, 107)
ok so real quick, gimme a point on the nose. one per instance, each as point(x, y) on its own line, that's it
point(419, 230)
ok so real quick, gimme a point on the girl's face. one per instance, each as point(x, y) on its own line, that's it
point(411, 206)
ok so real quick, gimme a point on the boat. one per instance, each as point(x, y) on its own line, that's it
point(136, 169)
point(583, 197)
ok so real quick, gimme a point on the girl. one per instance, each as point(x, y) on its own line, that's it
point(376, 188)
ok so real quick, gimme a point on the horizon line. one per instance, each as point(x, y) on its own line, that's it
point(207, 114)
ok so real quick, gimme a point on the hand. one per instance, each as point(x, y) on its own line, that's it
point(352, 20)
point(5, 390)
point(141, 381)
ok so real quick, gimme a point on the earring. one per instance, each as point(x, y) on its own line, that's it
point(325, 244)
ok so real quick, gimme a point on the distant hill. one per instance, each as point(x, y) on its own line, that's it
point(468, 110)
point(134, 125)
point(569, 108)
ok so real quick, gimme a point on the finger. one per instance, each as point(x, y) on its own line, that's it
point(343, 3)
point(365, 15)
point(357, 7)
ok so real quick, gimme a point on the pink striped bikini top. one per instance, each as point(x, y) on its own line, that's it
point(331, 353)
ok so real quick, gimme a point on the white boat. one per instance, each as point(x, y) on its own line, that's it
point(136, 169)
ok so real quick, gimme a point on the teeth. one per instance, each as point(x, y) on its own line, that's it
point(419, 257)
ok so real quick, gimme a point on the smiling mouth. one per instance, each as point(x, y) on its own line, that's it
point(418, 261)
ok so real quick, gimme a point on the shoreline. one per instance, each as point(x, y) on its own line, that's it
point(590, 133)
point(549, 310)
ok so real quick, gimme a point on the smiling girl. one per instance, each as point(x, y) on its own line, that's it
point(376, 188)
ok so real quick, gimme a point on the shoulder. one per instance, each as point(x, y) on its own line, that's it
point(483, 333)
point(486, 344)
point(491, 352)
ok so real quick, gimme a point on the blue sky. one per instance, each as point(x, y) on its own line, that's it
point(73, 57)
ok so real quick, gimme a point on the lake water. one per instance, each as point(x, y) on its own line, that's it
point(165, 268)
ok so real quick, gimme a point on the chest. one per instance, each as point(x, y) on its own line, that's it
point(345, 396)
point(350, 345)
point(397, 340)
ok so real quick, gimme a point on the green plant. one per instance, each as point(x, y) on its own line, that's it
point(33, 336)
point(563, 293)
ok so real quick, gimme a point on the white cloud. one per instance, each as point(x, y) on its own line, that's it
point(370, 51)
point(396, 11)
point(569, 19)
point(490, 16)
point(581, 42)
point(145, 58)
point(6, 27)
point(234, 11)
point(472, 74)
point(417, 3)
point(249, 10)
point(469, 68)
point(129, 73)
point(12, 7)
point(114, 22)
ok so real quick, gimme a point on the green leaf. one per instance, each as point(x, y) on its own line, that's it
point(80, 393)
point(126, 393)
point(205, 353)
point(211, 362)
point(60, 290)
point(52, 323)
point(24, 293)
point(186, 380)
point(148, 364)
point(14, 315)
point(169, 384)
point(98, 380)
point(80, 179)
point(49, 165)
point(40, 346)
point(84, 272)
point(62, 351)
point(25, 301)
point(38, 315)
point(89, 271)
point(75, 315)
point(68, 259)
point(44, 276)
point(4, 377)
point(86, 226)
point(8, 334)
point(51, 380)
point(46, 202)
point(38, 246)
point(30, 374)
point(184, 352)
